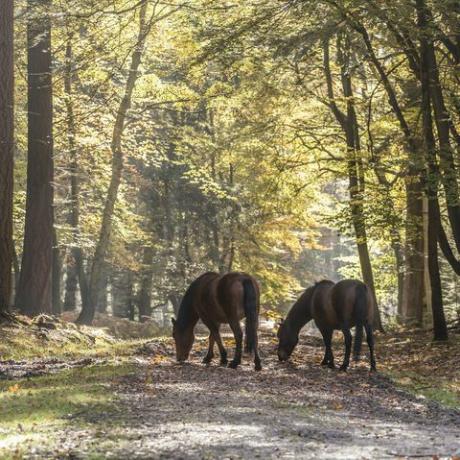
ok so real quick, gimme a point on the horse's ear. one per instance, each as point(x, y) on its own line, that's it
point(281, 321)
point(173, 321)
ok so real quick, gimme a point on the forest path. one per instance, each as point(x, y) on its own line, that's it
point(294, 410)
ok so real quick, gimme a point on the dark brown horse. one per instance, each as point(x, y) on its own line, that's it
point(333, 307)
point(219, 299)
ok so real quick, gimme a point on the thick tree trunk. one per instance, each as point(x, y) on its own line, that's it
point(87, 314)
point(6, 150)
point(414, 286)
point(35, 285)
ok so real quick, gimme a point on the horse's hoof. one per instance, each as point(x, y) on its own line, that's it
point(233, 365)
point(224, 362)
point(343, 369)
point(324, 363)
point(373, 369)
point(331, 365)
point(258, 367)
point(206, 360)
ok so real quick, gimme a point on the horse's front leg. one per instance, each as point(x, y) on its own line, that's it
point(238, 333)
point(348, 339)
point(328, 355)
point(210, 355)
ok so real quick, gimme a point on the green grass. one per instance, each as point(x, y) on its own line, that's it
point(34, 409)
point(431, 388)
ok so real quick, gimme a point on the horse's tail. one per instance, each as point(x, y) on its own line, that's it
point(360, 317)
point(250, 309)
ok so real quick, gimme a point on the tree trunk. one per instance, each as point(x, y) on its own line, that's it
point(439, 320)
point(145, 292)
point(6, 150)
point(356, 183)
point(57, 277)
point(412, 305)
point(87, 314)
point(414, 286)
point(102, 301)
point(443, 121)
point(74, 171)
point(71, 284)
point(35, 286)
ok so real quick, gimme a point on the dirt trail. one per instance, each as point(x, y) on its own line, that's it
point(296, 410)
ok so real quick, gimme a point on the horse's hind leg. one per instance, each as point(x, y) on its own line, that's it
point(257, 363)
point(238, 333)
point(328, 355)
point(370, 342)
point(208, 358)
point(348, 340)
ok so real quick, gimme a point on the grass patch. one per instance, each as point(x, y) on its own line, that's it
point(21, 344)
point(439, 390)
point(38, 407)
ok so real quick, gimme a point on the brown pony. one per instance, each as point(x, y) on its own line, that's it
point(333, 307)
point(219, 299)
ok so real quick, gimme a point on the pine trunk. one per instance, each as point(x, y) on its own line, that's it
point(35, 284)
point(6, 150)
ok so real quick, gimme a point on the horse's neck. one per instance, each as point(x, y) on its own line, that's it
point(187, 316)
point(299, 315)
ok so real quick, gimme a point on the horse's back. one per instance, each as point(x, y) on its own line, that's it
point(230, 293)
point(344, 297)
point(322, 311)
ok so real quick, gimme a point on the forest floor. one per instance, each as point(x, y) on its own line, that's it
point(143, 405)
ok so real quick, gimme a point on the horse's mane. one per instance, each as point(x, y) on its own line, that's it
point(185, 313)
point(299, 312)
point(325, 281)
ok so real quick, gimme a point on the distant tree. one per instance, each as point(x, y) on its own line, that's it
point(6, 150)
point(35, 285)
point(97, 269)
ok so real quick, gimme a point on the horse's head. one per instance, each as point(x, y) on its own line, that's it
point(183, 338)
point(287, 340)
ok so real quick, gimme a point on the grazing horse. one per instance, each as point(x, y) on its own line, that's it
point(333, 307)
point(219, 299)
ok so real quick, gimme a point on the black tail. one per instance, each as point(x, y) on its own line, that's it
point(360, 314)
point(250, 309)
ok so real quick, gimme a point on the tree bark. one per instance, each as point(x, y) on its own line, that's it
point(87, 314)
point(35, 285)
point(439, 320)
point(6, 150)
